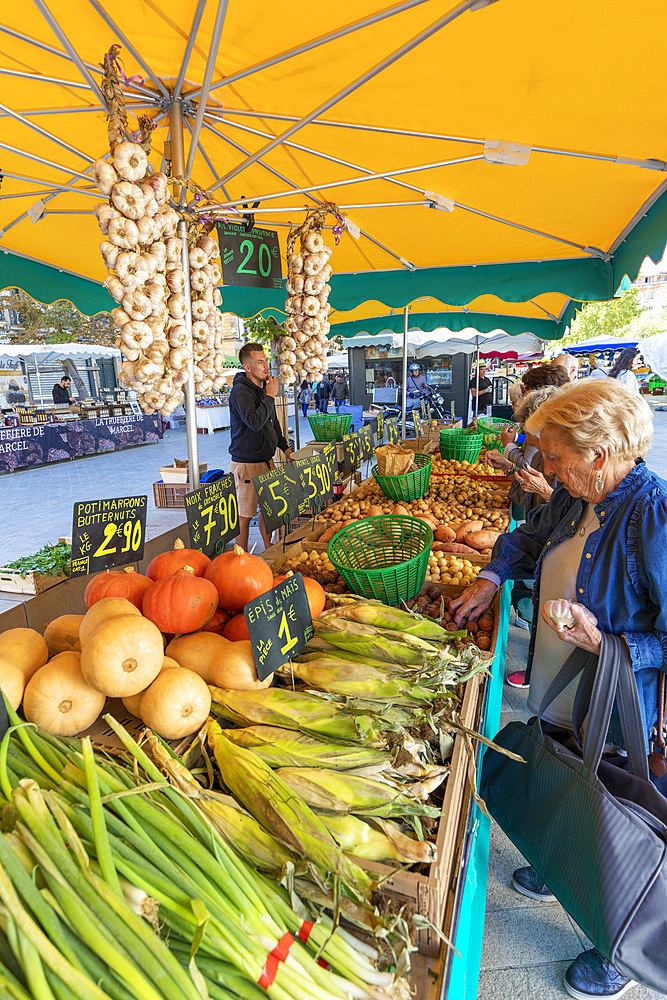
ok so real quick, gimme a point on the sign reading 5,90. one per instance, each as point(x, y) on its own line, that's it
point(249, 256)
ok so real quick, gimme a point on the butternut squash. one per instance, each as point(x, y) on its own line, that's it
point(59, 700)
point(122, 655)
point(25, 648)
point(62, 634)
point(108, 607)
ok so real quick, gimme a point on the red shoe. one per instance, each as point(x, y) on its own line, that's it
point(517, 679)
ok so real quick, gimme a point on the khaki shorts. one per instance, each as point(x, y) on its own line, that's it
point(246, 494)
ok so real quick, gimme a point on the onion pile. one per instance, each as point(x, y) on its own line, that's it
point(303, 349)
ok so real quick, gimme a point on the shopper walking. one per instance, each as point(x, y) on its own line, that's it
point(255, 434)
point(305, 396)
point(339, 392)
point(601, 541)
point(323, 393)
point(622, 371)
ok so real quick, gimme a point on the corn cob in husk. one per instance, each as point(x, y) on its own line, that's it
point(286, 748)
point(380, 615)
point(332, 793)
point(387, 843)
point(357, 680)
point(286, 816)
point(396, 647)
point(306, 713)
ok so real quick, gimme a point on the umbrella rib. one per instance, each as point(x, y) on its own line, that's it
point(205, 154)
point(314, 43)
point(73, 54)
point(43, 132)
point(129, 46)
point(351, 87)
point(43, 161)
point(196, 20)
point(286, 180)
point(592, 251)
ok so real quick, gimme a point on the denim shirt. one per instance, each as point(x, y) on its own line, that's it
point(622, 576)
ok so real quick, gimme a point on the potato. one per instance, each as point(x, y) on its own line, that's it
point(481, 539)
point(458, 547)
point(400, 511)
point(467, 527)
point(445, 534)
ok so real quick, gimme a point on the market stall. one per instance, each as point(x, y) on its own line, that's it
point(212, 415)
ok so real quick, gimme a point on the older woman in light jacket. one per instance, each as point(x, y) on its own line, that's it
point(600, 541)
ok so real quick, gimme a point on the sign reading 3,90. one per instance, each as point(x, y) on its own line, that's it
point(107, 533)
point(249, 256)
point(317, 475)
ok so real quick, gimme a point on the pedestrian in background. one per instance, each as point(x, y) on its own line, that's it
point(569, 363)
point(339, 392)
point(323, 393)
point(305, 396)
point(622, 371)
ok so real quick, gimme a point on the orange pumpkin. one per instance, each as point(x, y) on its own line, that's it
point(315, 593)
point(117, 583)
point(239, 577)
point(180, 603)
point(168, 563)
point(236, 629)
point(217, 622)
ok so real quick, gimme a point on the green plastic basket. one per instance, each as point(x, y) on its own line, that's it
point(462, 445)
point(383, 557)
point(411, 486)
point(330, 426)
point(491, 428)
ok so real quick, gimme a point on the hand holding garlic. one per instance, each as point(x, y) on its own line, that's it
point(574, 624)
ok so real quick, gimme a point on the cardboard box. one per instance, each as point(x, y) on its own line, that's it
point(170, 474)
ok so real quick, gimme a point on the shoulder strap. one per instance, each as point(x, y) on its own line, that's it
point(658, 756)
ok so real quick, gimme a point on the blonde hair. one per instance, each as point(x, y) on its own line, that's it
point(597, 413)
point(532, 400)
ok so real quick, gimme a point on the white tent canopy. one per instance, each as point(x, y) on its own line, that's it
point(56, 352)
point(443, 341)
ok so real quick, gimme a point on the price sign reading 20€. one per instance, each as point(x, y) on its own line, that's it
point(107, 533)
point(213, 515)
point(279, 624)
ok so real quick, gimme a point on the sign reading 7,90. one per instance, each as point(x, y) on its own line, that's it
point(249, 256)
point(213, 515)
point(107, 533)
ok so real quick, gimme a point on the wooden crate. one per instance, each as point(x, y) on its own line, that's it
point(32, 583)
point(431, 894)
point(170, 494)
point(278, 559)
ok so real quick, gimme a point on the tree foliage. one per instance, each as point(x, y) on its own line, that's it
point(605, 319)
point(57, 323)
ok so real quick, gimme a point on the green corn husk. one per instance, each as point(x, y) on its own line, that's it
point(285, 748)
point(332, 793)
point(379, 615)
point(396, 647)
point(308, 655)
point(357, 680)
point(291, 710)
point(269, 799)
point(386, 844)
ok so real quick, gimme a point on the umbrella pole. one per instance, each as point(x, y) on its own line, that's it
point(405, 371)
point(178, 167)
point(477, 383)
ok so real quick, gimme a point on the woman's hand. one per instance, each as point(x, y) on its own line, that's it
point(496, 459)
point(474, 600)
point(508, 435)
point(584, 633)
point(533, 481)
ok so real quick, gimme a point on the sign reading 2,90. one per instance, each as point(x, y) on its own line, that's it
point(107, 533)
point(249, 256)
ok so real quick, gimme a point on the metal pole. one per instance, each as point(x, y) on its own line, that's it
point(296, 419)
point(405, 370)
point(178, 165)
point(477, 382)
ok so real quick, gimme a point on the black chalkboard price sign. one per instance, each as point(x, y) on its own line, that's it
point(282, 496)
point(380, 428)
point(107, 533)
point(317, 475)
point(279, 624)
point(213, 515)
point(393, 435)
point(351, 453)
point(249, 256)
point(416, 419)
point(366, 441)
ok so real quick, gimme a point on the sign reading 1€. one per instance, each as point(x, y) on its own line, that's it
point(107, 533)
point(279, 624)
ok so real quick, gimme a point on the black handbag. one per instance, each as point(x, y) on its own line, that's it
point(594, 832)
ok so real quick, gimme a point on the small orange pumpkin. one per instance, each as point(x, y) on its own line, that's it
point(236, 629)
point(180, 603)
point(217, 622)
point(315, 593)
point(117, 583)
point(239, 577)
point(168, 563)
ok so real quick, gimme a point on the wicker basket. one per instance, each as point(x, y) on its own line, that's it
point(329, 426)
point(410, 486)
point(383, 557)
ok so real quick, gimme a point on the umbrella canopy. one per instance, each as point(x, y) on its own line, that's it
point(601, 344)
point(478, 148)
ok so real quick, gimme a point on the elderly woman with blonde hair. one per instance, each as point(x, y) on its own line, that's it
point(600, 541)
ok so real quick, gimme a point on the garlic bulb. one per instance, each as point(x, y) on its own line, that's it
point(313, 242)
point(312, 264)
point(560, 613)
point(150, 263)
point(119, 317)
point(137, 335)
point(295, 263)
point(199, 309)
point(150, 204)
point(104, 213)
point(198, 281)
point(178, 336)
point(313, 284)
point(169, 218)
point(109, 253)
point(123, 233)
point(176, 305)
point(217, 297)
point(128, 199)
point(290, 325)
point(159, 251)
point(174, 249)
point(154, 291)
point(115, 286)
point(208, 245)
point(146, 230)
point(311, 305)
point(176, 279)
point(130, 161)
point(160, 185)
point(311, 326)
point(131, 269)
point(198, 258)
point(137, 304)
point(288, 343)
point(104, 176)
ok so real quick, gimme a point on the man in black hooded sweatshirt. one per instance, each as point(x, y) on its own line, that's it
point(255, 434)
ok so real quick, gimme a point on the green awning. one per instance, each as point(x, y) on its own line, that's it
point(545, 329)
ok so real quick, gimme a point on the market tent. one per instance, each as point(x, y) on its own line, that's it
point(57, 352)
point(555, 186)
point(601, 344)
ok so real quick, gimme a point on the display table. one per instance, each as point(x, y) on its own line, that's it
point(38, 444)
point(213, 418)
